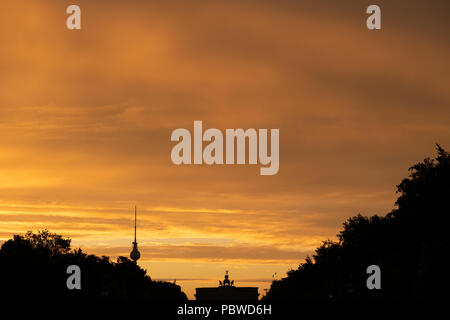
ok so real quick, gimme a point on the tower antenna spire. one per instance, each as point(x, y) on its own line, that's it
point(135, 254)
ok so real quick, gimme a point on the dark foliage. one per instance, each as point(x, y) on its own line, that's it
point(410, 245)
point(33, 266)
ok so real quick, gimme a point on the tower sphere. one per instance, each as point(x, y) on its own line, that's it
point(135, 254)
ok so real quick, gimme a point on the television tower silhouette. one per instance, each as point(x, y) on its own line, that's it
point(135, 254)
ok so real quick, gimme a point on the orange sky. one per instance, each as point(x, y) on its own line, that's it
point(86, 118)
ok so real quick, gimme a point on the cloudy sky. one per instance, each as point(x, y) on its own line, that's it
point(86, 118)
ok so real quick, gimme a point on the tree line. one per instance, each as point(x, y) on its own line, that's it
point(410, 245)
point(34, 265)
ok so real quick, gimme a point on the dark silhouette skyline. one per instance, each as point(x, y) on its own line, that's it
point(410, 245)
point(33, 266)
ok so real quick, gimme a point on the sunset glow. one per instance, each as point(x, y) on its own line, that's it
point(86, 119)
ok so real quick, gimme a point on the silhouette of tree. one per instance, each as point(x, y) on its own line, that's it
point(34, 266)
point(410, 244)
point(44, 240)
